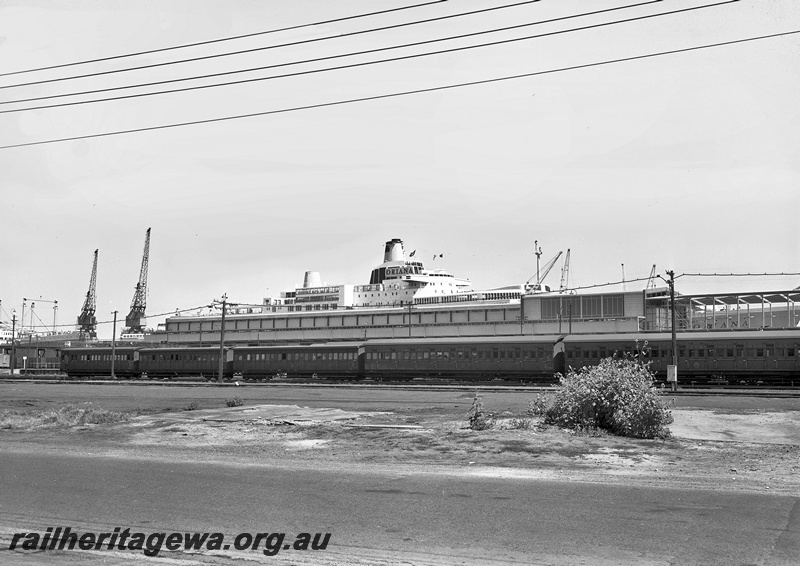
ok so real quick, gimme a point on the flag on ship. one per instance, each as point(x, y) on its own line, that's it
point(412, 253)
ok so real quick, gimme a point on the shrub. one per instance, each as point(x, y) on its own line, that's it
point(191, 406)
point(234, 402)
point(519, 423)
point(616, 396)
point(479, 419)
point(537, 407)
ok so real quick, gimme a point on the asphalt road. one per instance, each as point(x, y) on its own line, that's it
point(383, 517)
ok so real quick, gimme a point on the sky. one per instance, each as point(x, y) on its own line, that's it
point(688, 161)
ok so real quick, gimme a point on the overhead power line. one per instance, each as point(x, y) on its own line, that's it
point(740, 274)
point(609, 284)
point(405, 93)
point(222, 39)
point(318, 59)
point(294, 44)
point(72, 325)
point(365, 63)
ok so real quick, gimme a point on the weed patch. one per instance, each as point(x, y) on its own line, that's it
point(63, 417)
point(478, 417)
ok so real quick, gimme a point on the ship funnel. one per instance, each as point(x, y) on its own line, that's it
point(312, 279)
point(394, 250)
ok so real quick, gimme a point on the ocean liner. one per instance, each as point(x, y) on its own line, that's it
point(402, 299)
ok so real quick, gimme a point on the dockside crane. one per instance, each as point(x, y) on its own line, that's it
point(564, 274)
point(134, 320)
point(87, 322)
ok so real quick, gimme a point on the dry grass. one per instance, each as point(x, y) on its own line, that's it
point(64, 417)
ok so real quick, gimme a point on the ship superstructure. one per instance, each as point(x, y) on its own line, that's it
point(397, 282)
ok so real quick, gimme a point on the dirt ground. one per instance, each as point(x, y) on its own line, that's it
point(749, 444)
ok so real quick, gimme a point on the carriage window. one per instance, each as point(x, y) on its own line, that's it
point(760, 352)
point(682, 352)
point(790, 352)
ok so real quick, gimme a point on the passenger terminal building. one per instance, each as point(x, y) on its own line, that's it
point(404, 299)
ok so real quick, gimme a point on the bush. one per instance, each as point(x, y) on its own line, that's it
point(234, 402)
point(538, 406)
point(520, 423)
point(191, 406)
point(617, 396)
point(479, 419)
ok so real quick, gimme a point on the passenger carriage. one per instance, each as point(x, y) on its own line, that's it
point(184, 362)
point(326, 360)
point(88, 361)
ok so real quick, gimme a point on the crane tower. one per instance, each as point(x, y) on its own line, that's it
point(134, 320)
point(87, 322)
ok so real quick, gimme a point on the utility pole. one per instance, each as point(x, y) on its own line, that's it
point(674, 371)
point(222, 341)
point(410, 304)
point(114, 346)
point(13, 339)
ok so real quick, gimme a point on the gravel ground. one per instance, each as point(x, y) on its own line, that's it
point(721, 443)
